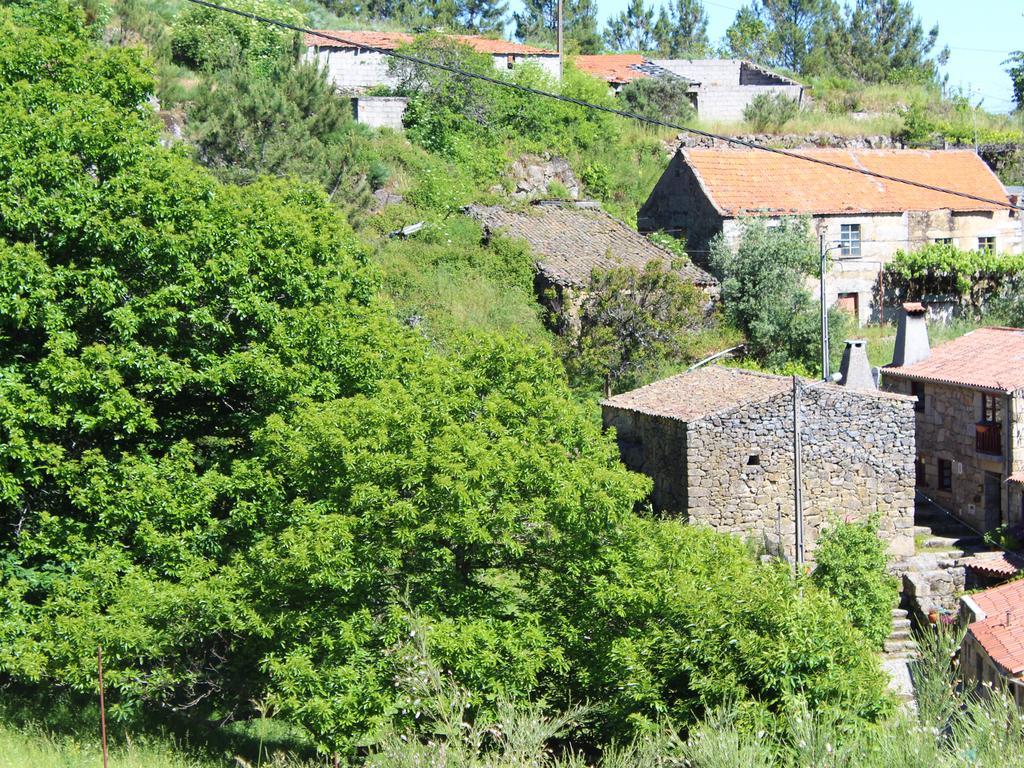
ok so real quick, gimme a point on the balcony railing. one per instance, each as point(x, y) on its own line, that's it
point(988, 438)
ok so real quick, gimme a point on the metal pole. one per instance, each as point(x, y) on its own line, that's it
point(561, 45)
point(798, 496)
point(103, 708)
point(825, 374)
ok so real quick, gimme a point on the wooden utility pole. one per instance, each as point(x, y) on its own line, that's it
point(561, 45)
point(798, 494)
point(103, 708)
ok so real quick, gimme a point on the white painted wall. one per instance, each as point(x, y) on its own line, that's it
point(380, 111)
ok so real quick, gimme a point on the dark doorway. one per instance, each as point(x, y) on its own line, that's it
point(993, 500)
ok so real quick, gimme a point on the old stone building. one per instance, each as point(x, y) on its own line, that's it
point(719, 445)
point(992, 651)
point(354, 68)
point(862, 220)
point(571, 240)
point(970, 417)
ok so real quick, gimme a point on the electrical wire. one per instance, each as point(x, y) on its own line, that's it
point(599, 107)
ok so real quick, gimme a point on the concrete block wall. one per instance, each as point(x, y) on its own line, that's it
point(380, 111)
point(726, 103)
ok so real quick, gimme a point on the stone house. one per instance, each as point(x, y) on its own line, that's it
point(354, 68)
point(862, 220)
point(992, 650)
point(572, 239)
point(718, 89)
point(719, 445)
point(970, 418)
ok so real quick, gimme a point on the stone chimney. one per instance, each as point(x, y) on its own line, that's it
point(855, 371)
point(911, 336)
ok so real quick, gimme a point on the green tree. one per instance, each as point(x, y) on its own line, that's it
point(207, 39)
point(632, 29)
point(630, 320)
point(851, 565)
point(286, 122)
point(748, 37)
point(764, 293)
point(538, 22)
point(886, 42)
point(792, 34)
point(1016, 73)
point(681, 30)
point(482, 16)
point(661, 98)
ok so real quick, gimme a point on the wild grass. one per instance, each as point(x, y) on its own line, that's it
point(882, 338)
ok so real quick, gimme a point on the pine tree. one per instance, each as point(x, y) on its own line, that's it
point(682, 30)
point(792, 34)
point(885, 41)
point(632, 29)
point(482, 16)
point(538, 23)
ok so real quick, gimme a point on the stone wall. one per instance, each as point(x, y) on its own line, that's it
point(946, 430)
point(380, 111)
point(678, 205)
point(737, 475)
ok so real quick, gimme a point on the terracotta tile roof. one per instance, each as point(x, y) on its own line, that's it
point(1002, 640)
point(390, 41)
point(751, 182)
point(615, 68)
point(987, 358)
point(997, 564)
point(571, 242)
point(697, 394)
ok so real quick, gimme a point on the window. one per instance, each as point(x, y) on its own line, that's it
point(917, 390)
point(849, 239)
point(990, 410)
point(945, 475)
point(943, 240)
point(987, 244)
point(754, 460)
point(510, 61)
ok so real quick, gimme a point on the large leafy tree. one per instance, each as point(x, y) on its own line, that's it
point(681, 30)
point(885, 41)
point(632, 29)
point(791, 34)
point(538, 22)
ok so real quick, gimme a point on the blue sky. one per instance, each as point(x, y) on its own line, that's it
point(979, 33)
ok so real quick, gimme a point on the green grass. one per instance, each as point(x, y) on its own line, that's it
point(882, 338)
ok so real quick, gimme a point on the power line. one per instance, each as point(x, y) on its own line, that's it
point(598, 107)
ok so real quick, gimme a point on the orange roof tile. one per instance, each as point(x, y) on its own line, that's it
point(987, 358)
point(998, 564)
point(751, 182)
point(1001, 632)
point(615, 68)
point(390, 41)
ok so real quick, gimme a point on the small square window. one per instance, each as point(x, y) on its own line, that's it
point(754, 460)
point(849, 240)
point(987, 244)
point(510, 61)
point(943, 240)
point(945, 475)
point(917, 390)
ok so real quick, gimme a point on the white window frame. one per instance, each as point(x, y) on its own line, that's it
point(847, 241)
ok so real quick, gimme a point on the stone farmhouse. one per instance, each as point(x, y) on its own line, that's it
point(969, 418)
point(719, 445)
point(573, 239)
point(862, 220)
point(353, 68)
point(992, 650)
point(719, 89)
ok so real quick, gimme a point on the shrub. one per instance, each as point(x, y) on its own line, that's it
point(207, 39)
point(660, 98)
point(851, 566)
point(770, 111)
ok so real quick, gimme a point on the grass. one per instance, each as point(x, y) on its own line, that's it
point(882, 338)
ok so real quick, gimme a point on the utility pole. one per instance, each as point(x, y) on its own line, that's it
point(798, 495)
point(825, 373)
point(561, 45)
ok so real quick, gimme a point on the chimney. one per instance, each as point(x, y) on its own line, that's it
point(855, 371)
point(911, 336)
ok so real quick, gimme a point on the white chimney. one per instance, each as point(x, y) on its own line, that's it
point(855, 371)
point(911, 336)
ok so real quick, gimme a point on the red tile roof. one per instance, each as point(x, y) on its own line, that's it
point(988, 358)
point(617, 68)
point(1002, 639)
point(390, 41)
point(751, 182)
point(999, 564)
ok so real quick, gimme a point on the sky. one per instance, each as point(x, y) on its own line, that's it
point(979, 33)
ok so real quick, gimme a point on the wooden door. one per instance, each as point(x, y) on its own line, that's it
point(993, 500)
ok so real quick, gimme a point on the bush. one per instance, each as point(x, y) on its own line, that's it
point(851, 566)
point(770, 111)
point(660, 98)
point(207, 39)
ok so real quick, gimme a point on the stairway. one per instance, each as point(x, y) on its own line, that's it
point(900, 649)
